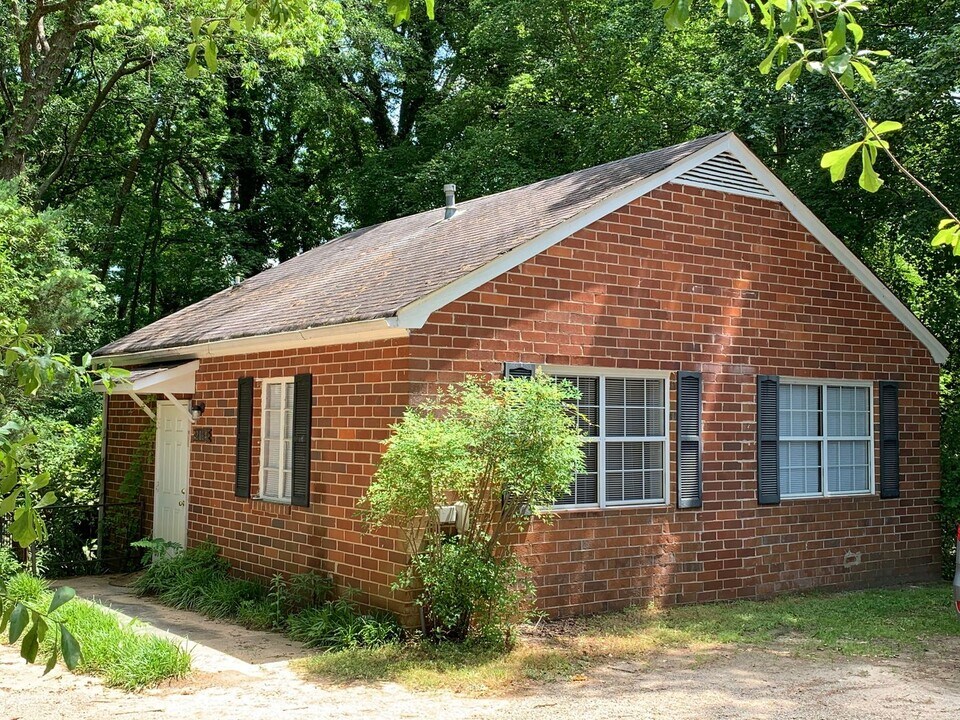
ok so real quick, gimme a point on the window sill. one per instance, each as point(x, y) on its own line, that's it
point(564, 509)
point(821, 496)
point(272, 501)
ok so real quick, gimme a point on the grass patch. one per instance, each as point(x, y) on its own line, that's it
point(469, 669)
point(876, 623)
point(122, 656)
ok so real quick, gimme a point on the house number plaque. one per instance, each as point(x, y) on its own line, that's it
point(202, 434)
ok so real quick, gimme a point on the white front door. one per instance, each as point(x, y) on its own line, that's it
point(170, 474)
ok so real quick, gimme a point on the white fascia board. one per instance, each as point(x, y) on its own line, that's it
point(415, 315)
point(354, 332)
point(841, 252)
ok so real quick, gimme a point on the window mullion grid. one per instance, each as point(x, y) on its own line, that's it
point(824, 484)
point(282, 485)
point(602, 446)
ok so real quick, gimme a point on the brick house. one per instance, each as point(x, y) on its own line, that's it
point(766, 409)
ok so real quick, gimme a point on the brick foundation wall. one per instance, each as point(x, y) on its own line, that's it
point(691, 279)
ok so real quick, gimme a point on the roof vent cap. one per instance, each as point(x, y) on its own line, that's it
point(450, 193)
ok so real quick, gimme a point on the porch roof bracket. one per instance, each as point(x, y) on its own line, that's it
point(143, 406)
point(179, 404)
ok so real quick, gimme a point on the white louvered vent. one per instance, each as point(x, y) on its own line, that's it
point(725, 173)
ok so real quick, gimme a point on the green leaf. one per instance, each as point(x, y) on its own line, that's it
point(869, 180)
point(62, 596)
point(210, 55)
point(865, 72)
point(48, 498)
point(790, 74)
point(70, 648)
point(24, 527)
point(738, 10)
point(838, 64)
point(856, 31)
point(885, 127)
point(18, 621)
point(8, 504)
point(196, 24)
point(837, 161)
point(5, 617)
point(837, 39)
point(39, 482)
point(30, 645)
point(41, 626)
point(430, 9)
point(51, 661)
point(677, 15)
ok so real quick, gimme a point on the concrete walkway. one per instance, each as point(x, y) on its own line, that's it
point(215, 646)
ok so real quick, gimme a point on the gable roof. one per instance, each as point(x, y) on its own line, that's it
point(382, 280)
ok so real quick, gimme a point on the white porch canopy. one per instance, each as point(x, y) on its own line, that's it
point(169, 381)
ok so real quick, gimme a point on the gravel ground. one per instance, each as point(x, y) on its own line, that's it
point(728, 684)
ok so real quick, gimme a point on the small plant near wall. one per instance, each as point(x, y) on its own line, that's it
point(462, 475)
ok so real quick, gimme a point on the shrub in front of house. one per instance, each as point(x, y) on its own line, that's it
point(499, 453)
point(198, 579)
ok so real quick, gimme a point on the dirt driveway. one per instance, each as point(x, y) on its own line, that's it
point(246, 675)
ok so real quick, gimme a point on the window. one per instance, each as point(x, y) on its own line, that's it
point(626, 447)
point(826, 439)
point(276, 440)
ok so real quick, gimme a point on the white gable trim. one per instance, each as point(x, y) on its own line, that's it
point(415, 314)
point(841, 252)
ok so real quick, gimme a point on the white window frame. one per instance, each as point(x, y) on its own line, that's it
point(824, 439)
point(284, 484)
point(601, 439)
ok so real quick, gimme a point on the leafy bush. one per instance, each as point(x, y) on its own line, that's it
point(464, 587)
point(338, 626)
point(26, 588)
point(504, 450)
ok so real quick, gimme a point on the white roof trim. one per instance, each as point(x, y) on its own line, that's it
point(415, 314)
point(355, 332)
point(177, 379)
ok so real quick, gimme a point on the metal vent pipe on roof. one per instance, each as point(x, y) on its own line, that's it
point(450, 193)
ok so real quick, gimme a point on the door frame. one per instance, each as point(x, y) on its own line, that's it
point(167, 405)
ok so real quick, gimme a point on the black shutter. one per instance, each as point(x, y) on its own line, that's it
point(689, 461)
point(768, 439)
point(244, 436)
point(518, 370)
point(302, 420)
point(889, 439)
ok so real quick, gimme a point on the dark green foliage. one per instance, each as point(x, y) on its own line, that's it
point(197, 579)
point(950, 471)
point(338, 626)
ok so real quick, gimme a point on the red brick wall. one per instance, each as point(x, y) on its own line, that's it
point(681, 279)
point(358, 392)
point(733, 287)
point(127, 446)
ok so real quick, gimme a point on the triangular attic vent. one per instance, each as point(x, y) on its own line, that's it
point(725, 173)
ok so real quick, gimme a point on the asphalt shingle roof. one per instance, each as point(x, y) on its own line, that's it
point(374, 271)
